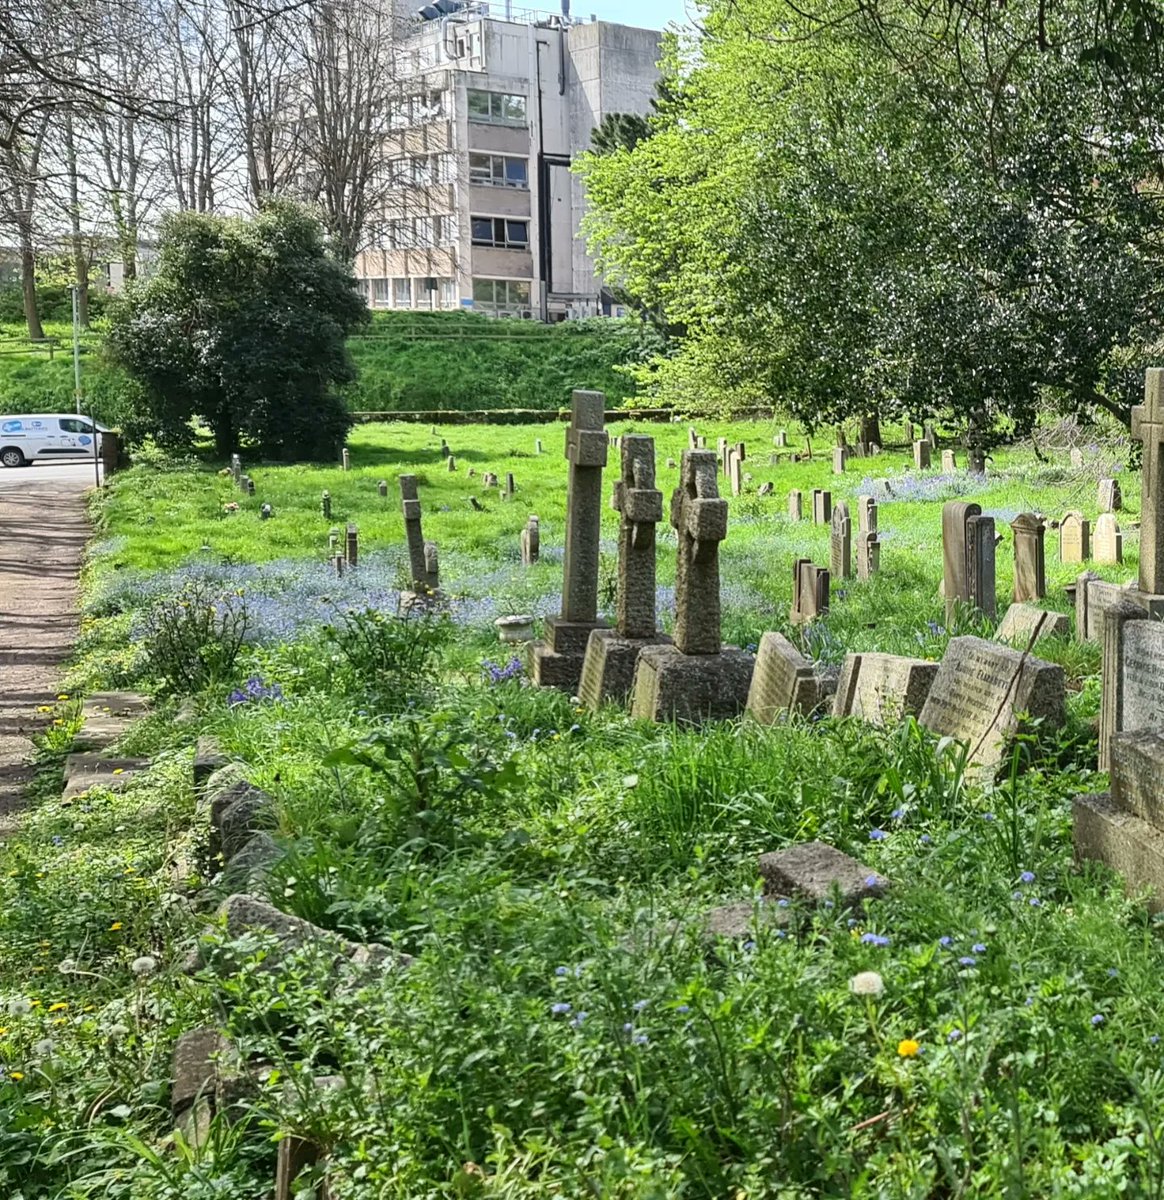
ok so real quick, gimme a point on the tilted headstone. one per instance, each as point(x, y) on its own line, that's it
point(445, 451)
point(868, 555)
point(1133, 675)
point(557, 661)
point(841, 543)
point(822, 506)
point(608, 672)
point(795, 505)
point(981, 690)
point(810, 592)
point(1111, 499)
point(766, 488)
point(883, 688)
point(422, 581)
point(1030, 564)
point(1076, 457)
point(325, 505)
point(980, 543)
point(949, 462)
point(530, 542)
point(840, 457)
point(352, 546)
point(783, 682)
point(1108, 547)
point(921, 455)
point(1022, 622)
point(1074, 538)
point(697, 677)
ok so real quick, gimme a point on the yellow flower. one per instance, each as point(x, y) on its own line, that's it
point(115, 927)
point(17, 1075)
point(118, 770)
point(908, 1048)
point(3, 1032)
point(44, 708)
point(63, 696)
point(60, 1006)
point(34, 1004)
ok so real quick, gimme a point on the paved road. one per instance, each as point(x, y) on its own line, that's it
point(43, 529)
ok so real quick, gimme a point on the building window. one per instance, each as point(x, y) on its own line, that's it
point(496, 108)
point(501, 297)
point(448, 293)
point(378, 292)
point(501, 232)
point(402, 293)
point(499, 170)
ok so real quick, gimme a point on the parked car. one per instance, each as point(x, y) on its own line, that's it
point(26, 438)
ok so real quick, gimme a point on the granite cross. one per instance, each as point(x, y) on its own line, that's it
point(700, 519)
point(1148, 427)
point(586, 447)
point(641, 506)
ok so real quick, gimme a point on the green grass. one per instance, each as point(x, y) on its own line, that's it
point(533, 856)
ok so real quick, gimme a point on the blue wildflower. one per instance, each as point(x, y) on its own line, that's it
point(945, 941)
point(640, 1039)
point(1098, 1019)
point(559, 1009)
point(628, 1027)
point(988, 816)
point(639, 1005)
point(955, 1035)
point(874, 939)
point(578, 1018)
point(1154, 1039)
point(967, 961)
point(1112, 972)
point(560, 971)
point(877, 835)
point(871, 881)
point(683, 1008)
point(897, 814)
point(979, 948)
point(1027, 877)
point(1035, 902)
point(925, 839)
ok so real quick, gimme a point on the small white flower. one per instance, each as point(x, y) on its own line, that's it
point(117, 1031)
point(144, 966)
point(630, 781)
point(67, 966)
point(78, 826)
point(44, 1048)
point(19, 1007)
point(866, 983)
point(575, 700)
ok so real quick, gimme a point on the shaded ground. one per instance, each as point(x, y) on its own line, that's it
point(43, 528)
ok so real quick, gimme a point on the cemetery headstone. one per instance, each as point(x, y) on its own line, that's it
point(422, 580)
point(236, 468)
point(868, 555)
point(701, 442)
point(867, 514)
point(1109, 540)
point(909, 438)
point(1074, 538)
point(955, 554)
point(883, 688)
point(489, 479)
point(537, 445)
point(874, 449)
point(980, 544)
point(337, 562)
point(980, 691)
point(721, 450)
point(949, 462)
point(510, 486)
point(1110, 497)
point(795, 505)
point(810, 592)
point(976, 462)
point(266, 512)
point(839, 458)
point(1030, 566)
point(783, 682)
point(382, 487)
point(841, 543)
point(1133, 675)
point(611, 654)
point(250, 485)
point(735, 471)
point(1094, 597)
point(781, 439)
point(1021, 622)
point(1076, 457)
point(332, 539)
point(766, 488)
point(451, 463)
point(822, 506)
point(557, 661)
point(697, 677)
point(692, 438)
point(445, 451)
point(671, 464)
point(325, 505)
point(1148, 427)
point(346, 458)
point(352, 546)
point(921, 455)
point(928, 434)
point(530, 541)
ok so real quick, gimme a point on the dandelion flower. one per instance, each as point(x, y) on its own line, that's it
point(866, 983)
point(146, 965)
point(17, 1075)
point(59, 1006)
point(908, 1048)
point(115, 927)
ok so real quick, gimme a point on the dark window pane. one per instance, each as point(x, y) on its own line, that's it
point(483, 230)
point(516, 233)
point(516, 172)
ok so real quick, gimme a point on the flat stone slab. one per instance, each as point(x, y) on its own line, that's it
point(741, 920)
point(1106, 833)
point(200, 1057)
point(818, 872)
point(84, 771)
point(1137, 774)
point(117, 704)
point(883, 688)
point(107, 716)
point(690, 688)
point(1023, 621)
point(783, 682)
point(208, 758)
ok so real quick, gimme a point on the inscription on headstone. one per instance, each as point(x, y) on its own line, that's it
point(783, 681)
point(883, 688)
point(840, 543)
point(1074, 538)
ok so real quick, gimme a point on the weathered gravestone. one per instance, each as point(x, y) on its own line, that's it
point(1124, 828)
point(866, 514)
point(352, 546)
point(530, 541)
point(1074, 538)
point(967, 559)
point(810, 592)
point(1108, 543)
point(236, 469)
point(766, 488)
point(1030, 564)
point(822, 506)
point(783, 682)
point(697, 677)
point(841, 543)
point(451, 463)
point(609, 668)
point(510, 486)
point(883, 688)
point(840, 457)
point(418, 563)
point(795, 505)
point(325, 505)
point(1133, 675)
point(489, 479)
point(1076, 458)
point(983, 688)
point(909, 438)
point(692, 438)
point(735, 471)
point(346, 458)
point(781, 439)
point(868, 555)
point(928, 434)
point(921, 455)
point(1111, 499)
point(1094, 597)
point(382, 487)
point(721, 453)
point(537, 445)
point(557, 661)
point(1023, 625)
point(949, 462)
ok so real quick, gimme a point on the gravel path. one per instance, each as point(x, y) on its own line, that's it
point(43, 529)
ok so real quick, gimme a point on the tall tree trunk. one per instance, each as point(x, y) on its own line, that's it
point(870, 429)
point(80, 259)
point(28, 284)
point(225, 433)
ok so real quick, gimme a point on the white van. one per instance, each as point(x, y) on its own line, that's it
point(26, 438)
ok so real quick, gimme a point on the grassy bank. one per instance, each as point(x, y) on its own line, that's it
point(565, 1029)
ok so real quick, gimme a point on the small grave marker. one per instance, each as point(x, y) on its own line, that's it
point(352, 546)
point(921, 455)
point(1030, 567)
point(1110, 497)
point(810, 592)
point(841, 543)
point(1022, 622)
point(795, 505)
point(345, 458)
point(949, 462)
point(883, 688)
point(1109, 540)
point(822, 506)
point(783, 681)
point(325, 505)
point(1074, 538)
point(530, 541)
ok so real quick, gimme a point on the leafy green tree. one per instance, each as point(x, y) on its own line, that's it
point(619, 131)
point(934, 219)
point(242, 325)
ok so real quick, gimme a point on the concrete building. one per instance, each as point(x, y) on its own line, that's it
point(484, 210)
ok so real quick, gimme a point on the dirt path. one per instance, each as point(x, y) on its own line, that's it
point(43, 528)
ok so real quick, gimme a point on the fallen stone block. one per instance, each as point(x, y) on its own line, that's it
point(817, 872)
point(1128, 844)
point(85, 771)
point(208, 758)
point(203, 1061)
point(236, 814)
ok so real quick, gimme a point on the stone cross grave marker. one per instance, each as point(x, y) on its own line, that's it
point(810, 592)
point(1074, 538)
point(1030, 565)
point(1133, 675)
point(1110, 497)
point(949, 462)
point(608, 672)
point(822, 506)
point(422, 581)
point(783, 682)
point(980, 691)
point(325, 505)
point(557, 661)
point(795, 505)
point(530, 541)
point(1109, 540)
point(1148, 427)
point(921, 455)
point(841, 543)
point(697, 677)
point(883, 688)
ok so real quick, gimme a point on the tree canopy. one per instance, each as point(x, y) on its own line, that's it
point(243, 326)
point(894, 208)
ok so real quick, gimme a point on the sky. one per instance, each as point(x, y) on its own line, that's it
point(646, 14)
